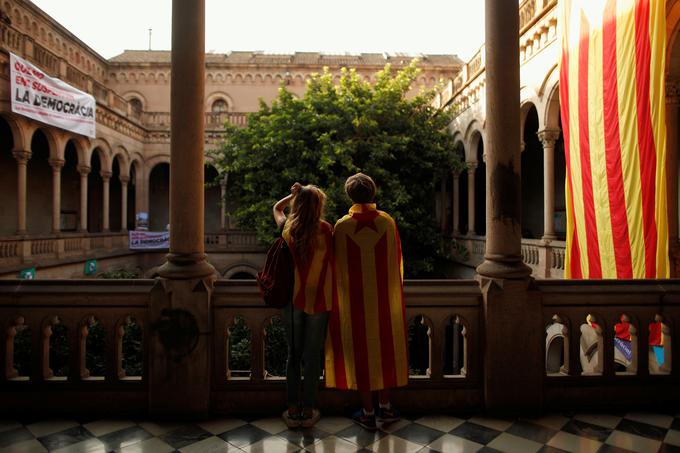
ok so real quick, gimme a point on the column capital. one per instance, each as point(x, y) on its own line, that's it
point(84, 170)
point(456, 173)
point(548, 137)
point(22, 155)
point(472, 166)
point(124, 179)
point(106, 175)
point(56, 164)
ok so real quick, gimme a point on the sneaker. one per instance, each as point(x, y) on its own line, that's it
point(309, 420)
point(363, 420)
point(388, 415)
point(291, 420)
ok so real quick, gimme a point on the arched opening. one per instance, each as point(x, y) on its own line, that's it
point(219, 106)
point(480, 190)
point(420, 347)
point(159, 197)
point(242, 276)
point(532, 179)
point(39, 186)
point(8, 181)
point(462, 192)
point(132, 197)
point(95, 194)
point(115, 194)
point(213, 200)
point(136, 105)
point(70, 190)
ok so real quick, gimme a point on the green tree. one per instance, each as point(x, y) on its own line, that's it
point(337, 129)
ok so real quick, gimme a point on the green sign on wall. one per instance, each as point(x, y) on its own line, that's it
point(90, 267)
point(27, 274)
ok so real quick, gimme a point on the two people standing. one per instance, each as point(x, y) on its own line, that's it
point(350, 278)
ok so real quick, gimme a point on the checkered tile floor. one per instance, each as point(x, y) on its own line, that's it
point(638, 432)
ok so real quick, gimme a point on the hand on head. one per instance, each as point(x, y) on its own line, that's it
point(295, 188)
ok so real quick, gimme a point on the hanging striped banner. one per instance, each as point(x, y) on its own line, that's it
point(613, 120)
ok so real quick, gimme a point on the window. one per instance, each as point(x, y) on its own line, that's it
point(220, 106)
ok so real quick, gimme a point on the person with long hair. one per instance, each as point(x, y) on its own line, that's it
point(310, 240)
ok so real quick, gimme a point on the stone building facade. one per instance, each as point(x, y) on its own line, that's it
point(63, 193)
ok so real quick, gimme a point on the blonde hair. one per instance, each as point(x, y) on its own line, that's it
point(303, 222)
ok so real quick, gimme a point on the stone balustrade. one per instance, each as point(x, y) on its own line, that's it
point(66, 342)
point(545, 258)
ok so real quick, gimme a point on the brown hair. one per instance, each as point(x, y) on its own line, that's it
point(305, 215)
point(360, 188)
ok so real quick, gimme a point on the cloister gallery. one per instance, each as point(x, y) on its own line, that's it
point(67, 198)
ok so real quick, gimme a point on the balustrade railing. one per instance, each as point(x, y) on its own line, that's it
point(15, 251)
point(546, 258)
point(63, 336)
point(602, 336)
point(213, 121)
point(445, 332)
point(527, 11)
point(46, 59)
point(82, 344)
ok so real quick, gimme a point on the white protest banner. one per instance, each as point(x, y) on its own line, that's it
point(149, 240)
point(49, 100)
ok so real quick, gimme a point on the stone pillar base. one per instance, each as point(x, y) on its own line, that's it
point(513, 333)
point(180, 348)
point(186, 266)
point(503, 267)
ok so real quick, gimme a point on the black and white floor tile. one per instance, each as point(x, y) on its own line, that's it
point(601, 433)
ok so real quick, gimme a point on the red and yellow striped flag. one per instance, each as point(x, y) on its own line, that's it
point(613, 120)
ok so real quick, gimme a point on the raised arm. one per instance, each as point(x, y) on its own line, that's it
point(280, 206)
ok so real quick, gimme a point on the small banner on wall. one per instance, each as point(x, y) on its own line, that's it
point(49, 100)
point(149, 240)
point(90, 267)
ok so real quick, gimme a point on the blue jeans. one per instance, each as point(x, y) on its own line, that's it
point(306, 336)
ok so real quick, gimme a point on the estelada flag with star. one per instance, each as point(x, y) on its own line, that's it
point(612, 99)
point(366, 348)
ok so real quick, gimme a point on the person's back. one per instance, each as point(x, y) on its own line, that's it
point(367, 349)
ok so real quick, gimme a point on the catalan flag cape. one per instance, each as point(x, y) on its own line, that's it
point(313, 286)
point(613, 121)
point(366, 348)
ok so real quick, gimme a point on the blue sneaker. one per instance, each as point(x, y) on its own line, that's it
point(363, 420)
point(388, 415)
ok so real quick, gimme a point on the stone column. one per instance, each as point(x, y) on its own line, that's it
point(504, 278)
point(455, 193)
point(84, 171)
point(123, 202)
point(443, 218)
point(180, 366)
point(548, 137)
point(106, 179)
point(471, 198)
point(21, 157)
point(187, 258)
point(57, 165)
point(223, 202)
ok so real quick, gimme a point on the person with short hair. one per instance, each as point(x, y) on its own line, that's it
point(367, 348)
point(310, 240)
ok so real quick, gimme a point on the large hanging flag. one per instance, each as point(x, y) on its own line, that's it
point(613, 120)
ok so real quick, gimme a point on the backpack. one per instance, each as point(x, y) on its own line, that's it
point(277, 278)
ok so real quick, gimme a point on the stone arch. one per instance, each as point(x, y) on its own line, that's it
point(532, 174)
point(242, 267)
point(39, 181)
point(52, 140)
point(21, 131)
point(216, 97)
point(8, 179)
point(212, 199)
point(158, 181)
point(130, 96)
point(473, 134)
point(104, 150)
point(120, 153)
point(525, 108)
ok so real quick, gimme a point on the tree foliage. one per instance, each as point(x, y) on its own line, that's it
point(338, 128)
